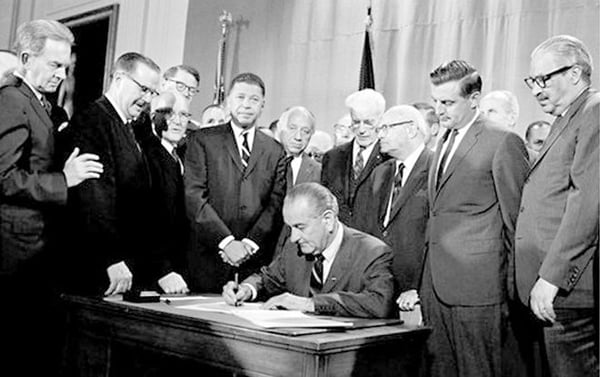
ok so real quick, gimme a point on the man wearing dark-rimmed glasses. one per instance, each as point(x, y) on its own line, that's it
point(557, 227)
point(182, 79)
point(109, 219)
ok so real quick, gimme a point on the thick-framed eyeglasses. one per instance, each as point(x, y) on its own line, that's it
point(143, 88)
point(386, 127)
point(182, 87)
point(542, 79)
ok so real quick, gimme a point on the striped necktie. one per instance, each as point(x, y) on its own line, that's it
point(245, 150)
point(359, 163)
point(316, 275)
point(440, 172)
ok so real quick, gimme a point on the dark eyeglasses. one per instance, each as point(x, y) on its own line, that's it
point(182, 87)
point(541, 80)
point(386, 127)
point(143, 88)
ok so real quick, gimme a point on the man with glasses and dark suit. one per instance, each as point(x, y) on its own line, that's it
point(109, 216)
point(557, 227)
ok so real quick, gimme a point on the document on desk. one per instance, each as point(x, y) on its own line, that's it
point(253, 313)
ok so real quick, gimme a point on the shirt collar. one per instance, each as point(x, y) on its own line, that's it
point(331, 251)
point(113, 102)
point(168, 146)
point(238, 131)
point(465, 129)
point(356, 148)
point(36, 92)
point(411, 160)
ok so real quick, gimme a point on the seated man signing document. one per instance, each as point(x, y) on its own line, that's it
point(335, 270)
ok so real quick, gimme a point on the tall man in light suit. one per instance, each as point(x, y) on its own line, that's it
point(234, 188)
point(475, 183)
point(33, 184)
point(346, 167)
point(394, 200)
point(557, 229)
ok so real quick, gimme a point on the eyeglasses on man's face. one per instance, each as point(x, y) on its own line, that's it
point(145, 90)
point(542, 79)
point(183, 87)
point(183, 116)
point(386, 127)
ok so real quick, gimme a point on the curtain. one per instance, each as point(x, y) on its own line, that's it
point(313, 49)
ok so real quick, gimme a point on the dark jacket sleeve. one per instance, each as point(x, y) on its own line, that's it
point(376, 300)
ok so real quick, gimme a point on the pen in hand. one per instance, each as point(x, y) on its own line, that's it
point(236, 288)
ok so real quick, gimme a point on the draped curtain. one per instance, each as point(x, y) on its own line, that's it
point(314, 48)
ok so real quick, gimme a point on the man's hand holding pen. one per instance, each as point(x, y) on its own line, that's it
point(235, 294)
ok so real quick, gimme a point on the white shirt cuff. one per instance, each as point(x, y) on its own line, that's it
point(226, 241)
point(253, 246)
point(252, 289)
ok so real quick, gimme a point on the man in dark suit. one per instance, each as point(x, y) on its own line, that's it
point(170, 115)
point(474, 184)
point(33, 184)
point(335, 270)
point(234, 188)
point(346, 167)
point(557, 228)
point(296, 127)
point(394, 200)
point(109, 216)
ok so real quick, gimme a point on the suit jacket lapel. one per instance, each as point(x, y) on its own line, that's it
point(464, 147)
point(341, 263)
point(231, 145)
point(258, 148)
point(305, 170)
point(35, 103)
point(373, 160)
point(433, 170)
point(382, 181)
point(417, 173)
point(558, 127)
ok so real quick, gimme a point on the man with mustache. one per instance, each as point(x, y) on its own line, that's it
point(557, 228)
point(109, 216)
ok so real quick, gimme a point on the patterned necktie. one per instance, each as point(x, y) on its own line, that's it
point(245, 150)
point(359, 163)
point(46, 105)
point(440, 172)
point(316, 276)
point(129, 126)
point(397, 185)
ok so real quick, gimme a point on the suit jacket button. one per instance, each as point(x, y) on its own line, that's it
point(385, 233)
point(521, 209)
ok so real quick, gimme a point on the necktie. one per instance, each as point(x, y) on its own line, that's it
point(397, 185)
point(316, 276)
point(440, 171)
point(359, 163)
point(245, 150)
point(46, 105)
point(177, 159)
point(289, 177)
point(129, 126)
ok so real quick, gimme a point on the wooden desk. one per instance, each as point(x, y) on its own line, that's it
point(98, 330)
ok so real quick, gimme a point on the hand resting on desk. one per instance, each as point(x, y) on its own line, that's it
point(290, 302)
point(173, 283)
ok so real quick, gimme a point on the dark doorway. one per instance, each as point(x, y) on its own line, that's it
point(92, 57)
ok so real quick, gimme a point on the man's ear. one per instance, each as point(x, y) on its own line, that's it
point(474, 99)
point(575, 74)
point(329, 220)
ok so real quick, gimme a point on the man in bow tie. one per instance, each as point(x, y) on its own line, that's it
point(336, 270)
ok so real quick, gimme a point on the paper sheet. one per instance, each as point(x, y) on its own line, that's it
point(252, 312)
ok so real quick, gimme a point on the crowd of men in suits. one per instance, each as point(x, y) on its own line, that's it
point(460, 218)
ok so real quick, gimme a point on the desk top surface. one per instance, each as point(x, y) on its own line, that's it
point(229, 325)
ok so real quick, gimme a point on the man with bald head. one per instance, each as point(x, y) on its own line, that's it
point(296, 128)
point(557, 228)
point(501, 107)
point(393, 202)
point(346, 167)
point(110, 215)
